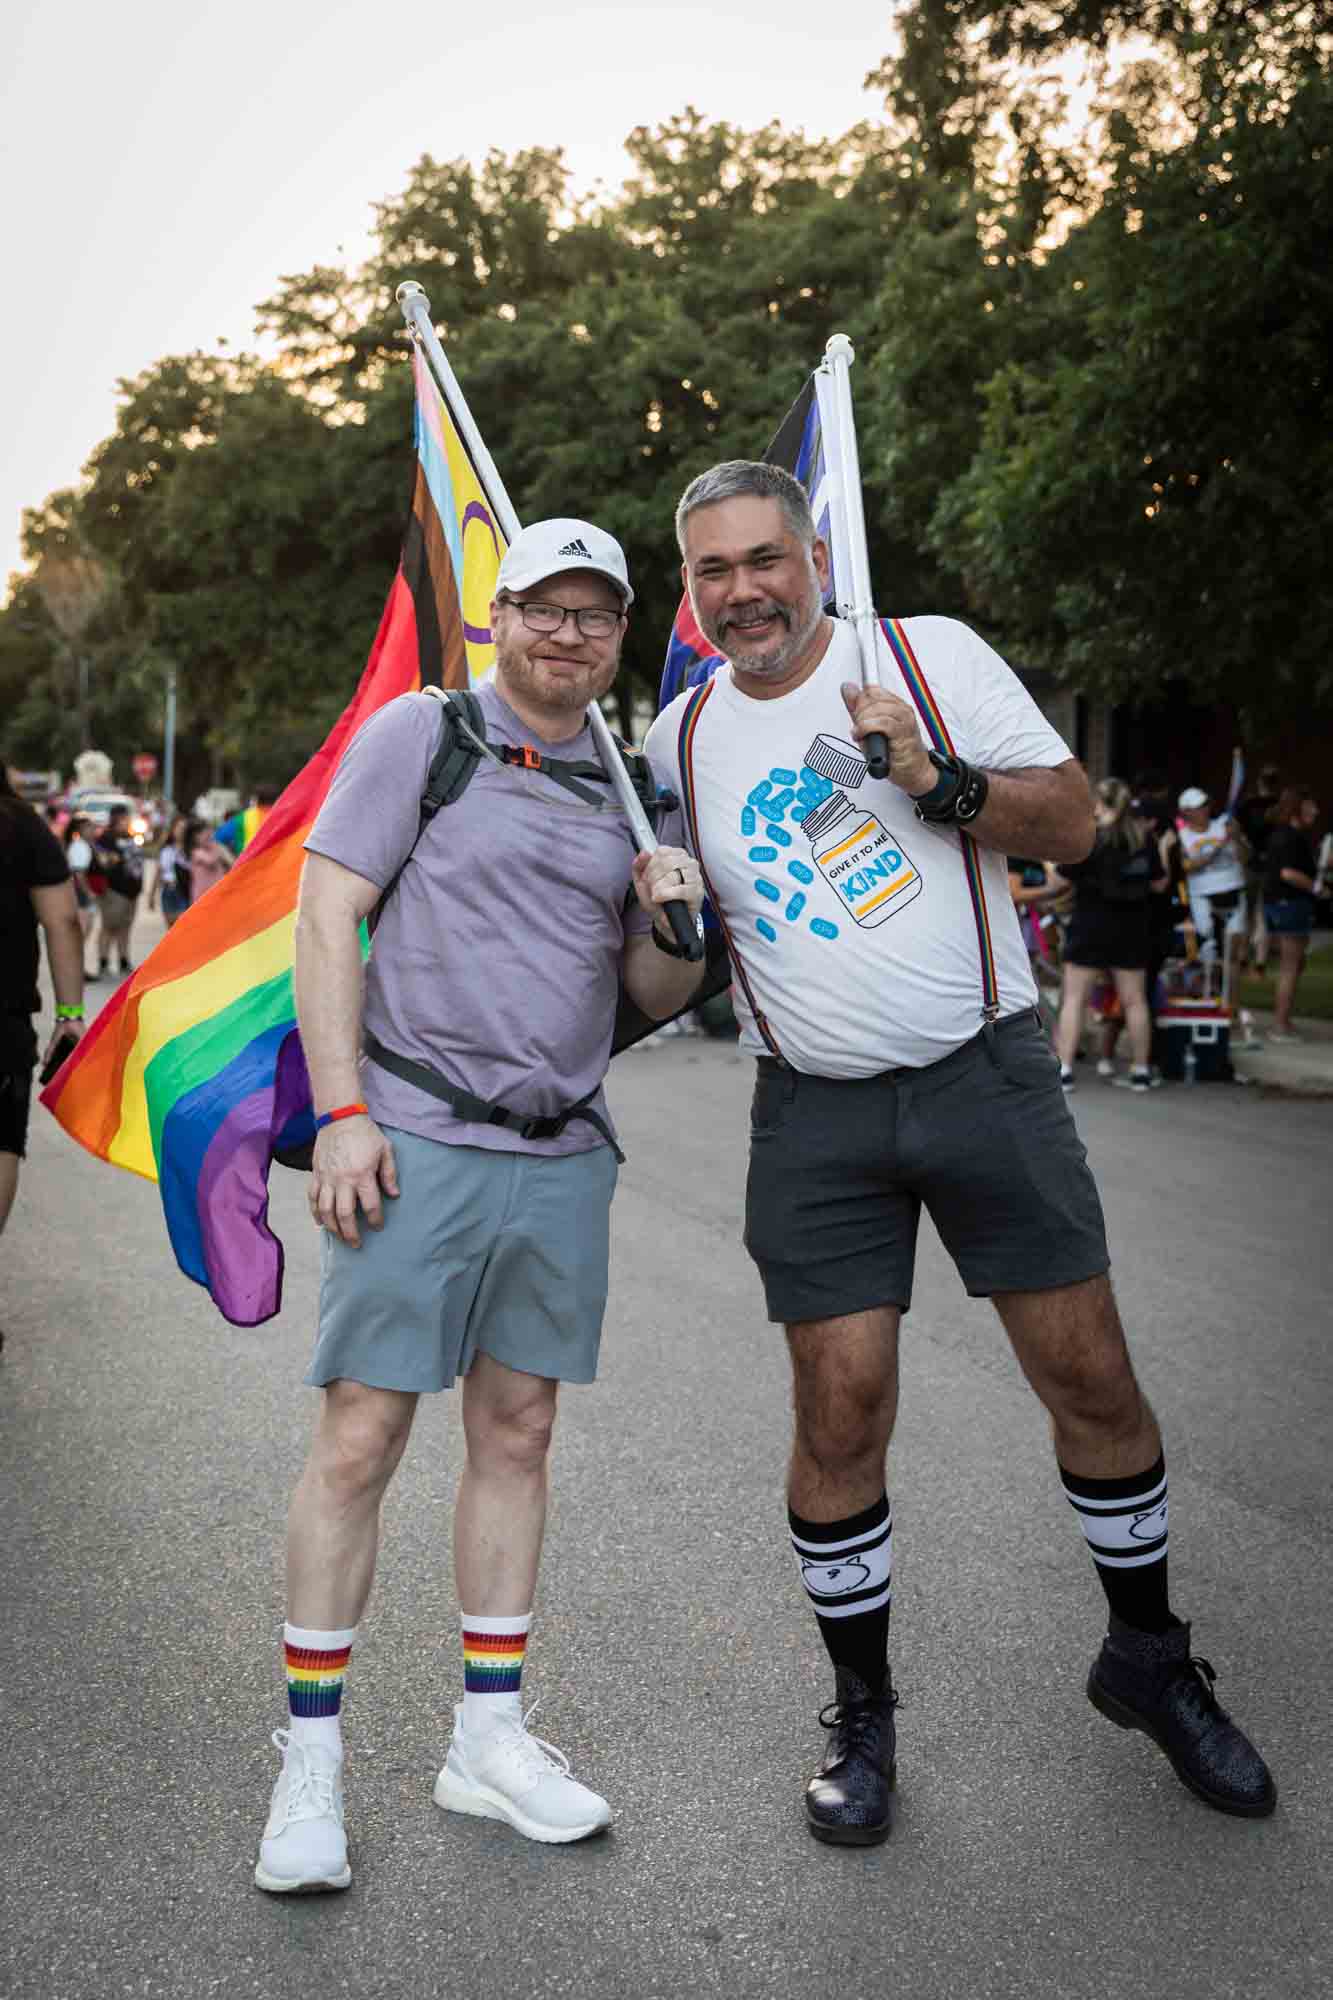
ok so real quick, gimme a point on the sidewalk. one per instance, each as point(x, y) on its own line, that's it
point(1305, 1068)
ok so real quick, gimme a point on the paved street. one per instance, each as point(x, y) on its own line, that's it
point(146, 1452)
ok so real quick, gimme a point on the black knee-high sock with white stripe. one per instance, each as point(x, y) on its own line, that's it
point(847, 1570)
point(1124, 1521)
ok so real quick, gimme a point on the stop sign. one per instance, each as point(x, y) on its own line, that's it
point(144, 766)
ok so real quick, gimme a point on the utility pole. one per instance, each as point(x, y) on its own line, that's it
point(169, 742)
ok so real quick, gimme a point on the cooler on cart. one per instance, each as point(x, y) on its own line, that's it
point(1193, 1012)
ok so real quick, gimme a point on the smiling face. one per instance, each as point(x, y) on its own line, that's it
point(758, 591)
point(549, 678)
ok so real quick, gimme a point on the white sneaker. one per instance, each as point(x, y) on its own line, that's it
point(1105, 1067)
point(508, 1774)
point(304, 1846)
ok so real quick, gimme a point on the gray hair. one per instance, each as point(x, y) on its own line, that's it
point(748, 476)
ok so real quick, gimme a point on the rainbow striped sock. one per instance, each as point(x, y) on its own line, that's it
point(493, 1650)
point(316, 1669)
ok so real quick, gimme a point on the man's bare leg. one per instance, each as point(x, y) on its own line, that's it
point(332, 1539)
point(845, 1391)
point(333, 1522)
point(495, 1769)
point(1071, 1346)
point(500, 1519)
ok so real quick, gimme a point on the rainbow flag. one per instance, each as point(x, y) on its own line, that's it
point(193, 1074)
point(240, 829)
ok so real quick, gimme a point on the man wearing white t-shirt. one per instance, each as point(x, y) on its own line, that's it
point(883, 985)
point(1214, 872)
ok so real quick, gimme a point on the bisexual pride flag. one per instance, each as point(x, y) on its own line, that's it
point(193, 1073)
point(799, 448)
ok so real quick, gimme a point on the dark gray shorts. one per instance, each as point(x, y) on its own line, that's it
point(840, 1170)
point(506, 1252)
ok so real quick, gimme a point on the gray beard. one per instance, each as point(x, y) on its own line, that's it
point(777, 664)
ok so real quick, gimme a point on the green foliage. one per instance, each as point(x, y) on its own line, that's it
point(1154, 500)
point(1092, 385)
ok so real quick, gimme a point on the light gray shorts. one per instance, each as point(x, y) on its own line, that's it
point(506, 1252)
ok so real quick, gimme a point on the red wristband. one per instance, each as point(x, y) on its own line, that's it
point(343, 1111)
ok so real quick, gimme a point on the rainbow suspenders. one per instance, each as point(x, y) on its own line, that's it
point(937, 731)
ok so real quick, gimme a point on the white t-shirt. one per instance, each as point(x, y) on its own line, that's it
point(79, 855)
point(854, 920)
point(1217, 877)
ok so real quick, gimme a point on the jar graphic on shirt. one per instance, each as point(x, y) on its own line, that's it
point(867, 869)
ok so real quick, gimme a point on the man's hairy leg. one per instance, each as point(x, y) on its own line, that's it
point(1071, 1346)
point(845, 1393)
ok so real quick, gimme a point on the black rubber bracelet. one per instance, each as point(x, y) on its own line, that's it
point(942, 791)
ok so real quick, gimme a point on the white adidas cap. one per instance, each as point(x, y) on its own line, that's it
point(1191, 799)
point(549, 547)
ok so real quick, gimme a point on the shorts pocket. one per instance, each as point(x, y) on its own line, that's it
point(1028, 1061)
point(774, 1095)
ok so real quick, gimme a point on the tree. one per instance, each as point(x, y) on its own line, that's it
point(1153, 502)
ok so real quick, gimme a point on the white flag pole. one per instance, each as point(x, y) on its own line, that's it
point(415, 308)
point(855, 602)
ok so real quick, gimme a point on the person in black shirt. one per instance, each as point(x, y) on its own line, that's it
point(122, 864)
point(35, 890)
point(1109, 930)
point(1256, 815)
point(1289, 878)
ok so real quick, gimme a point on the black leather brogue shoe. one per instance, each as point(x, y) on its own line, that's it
point(1150, 1681)
point(847, 1802)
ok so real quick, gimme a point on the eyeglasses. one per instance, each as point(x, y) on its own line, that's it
point(549, 618)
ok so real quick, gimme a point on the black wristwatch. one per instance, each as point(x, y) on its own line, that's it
point(957, 797)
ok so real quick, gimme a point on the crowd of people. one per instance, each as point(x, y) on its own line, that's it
point(112, 873)
point(1170, 880)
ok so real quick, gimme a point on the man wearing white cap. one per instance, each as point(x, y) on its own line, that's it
point(1214, 871)
point(461, 1110)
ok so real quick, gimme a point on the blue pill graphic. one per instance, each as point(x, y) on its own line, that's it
point(781, 777)
point(749, 821)
point(779, 805)
point(822, 928)
point(769, 890)
point(798, 813)
point(779, 834)
point(800, 871)
point(763, 854)
point(795, 906)
point(759, 795)
point(765, 929)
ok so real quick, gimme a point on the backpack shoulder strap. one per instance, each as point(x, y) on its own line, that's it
point(456, 757)
point(450, 773)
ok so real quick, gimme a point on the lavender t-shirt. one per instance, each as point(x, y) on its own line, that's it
point(497, 959)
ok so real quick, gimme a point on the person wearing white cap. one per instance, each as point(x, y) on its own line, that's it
point(1212, 855)
point(461, 1111)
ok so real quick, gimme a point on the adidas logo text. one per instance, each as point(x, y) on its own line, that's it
point(576, 548)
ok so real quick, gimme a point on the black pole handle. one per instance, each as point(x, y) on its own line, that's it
point(876, 750)
point(686, 930)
